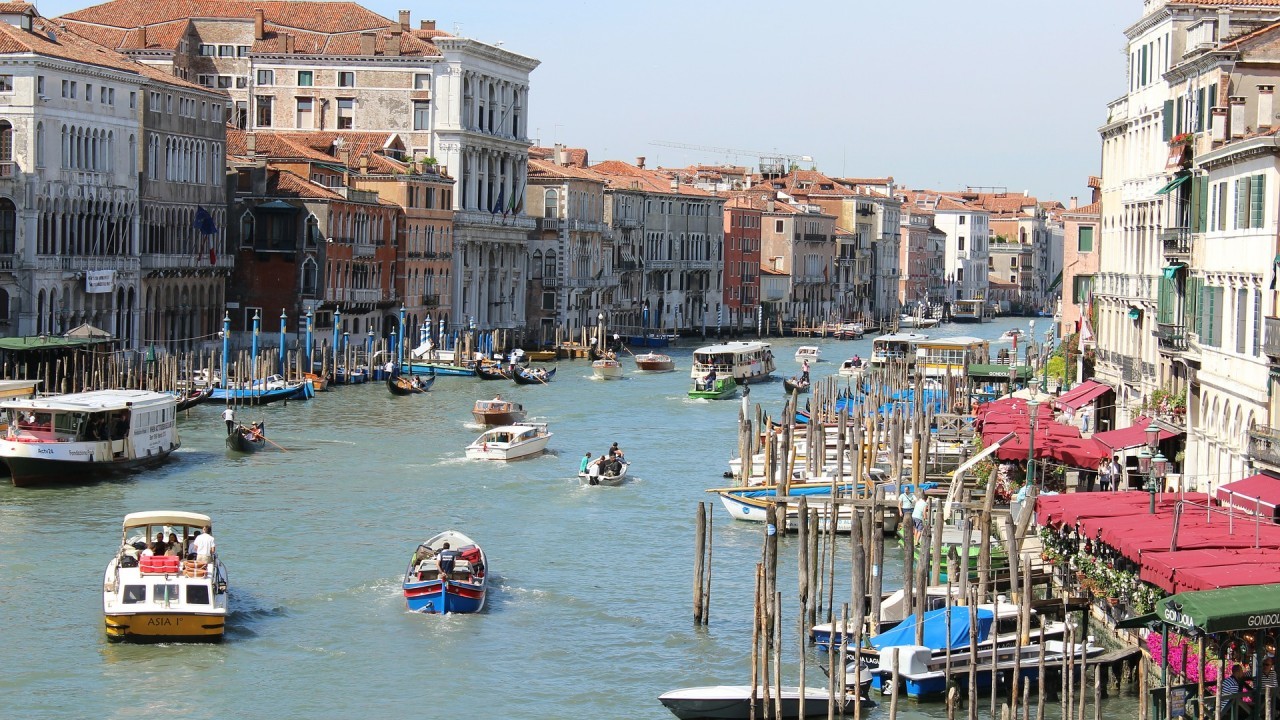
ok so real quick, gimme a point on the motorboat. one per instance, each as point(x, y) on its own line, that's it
point(719, 389)
point(461, 588)
point(745, 362)
point(853, 367)
point(851, 331)
point(654, 362)
point(734, 702)
point(606, 368)
point(1010, 336)
point(894, 607)
point(922, 673)
point(497, 412)
point(968, 311)
point(914, 321)
point(613, 473)
point(510, 442)
point(812, 353)
point(164, 598)
point(76, 437)
point(248, 439)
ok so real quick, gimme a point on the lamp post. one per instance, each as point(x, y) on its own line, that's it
point(1153, 464)
point(1033, 411)
point(601, 341)
point(1031, 341)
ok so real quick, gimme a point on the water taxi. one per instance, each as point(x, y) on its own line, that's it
point(167, 597)
point(812, 353)
point(606, 369)
point(853, 367)
point(951, 356)
point(510, 442)
point(71, 438)
point(895, 346)
point(745, 362)
point(497, 412)
point(968, 311)
point(723, 387)
point(655, 362)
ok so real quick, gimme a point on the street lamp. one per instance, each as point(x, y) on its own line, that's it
point(1033, 411)
point(1153, 464)
point(1031, 341)
point(601, 342)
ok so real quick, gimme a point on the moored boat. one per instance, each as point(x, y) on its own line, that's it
point(795, 384)
point(510, 442)
point(497, 412)
point(447, 574)
point(968, 311)
point(249, 439)
point(71, 438)
point(654, 362)
point(165, 598)
point(540, 355)
point(532, 375)
point(734, 702)
point(851, 331)
point(607, 368)
point(719, 389)
point(192, 397)
point(401, 385)
point(422, 367)
point(263, 396)
point(745, 362)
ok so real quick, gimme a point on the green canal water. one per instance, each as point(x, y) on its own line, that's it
point(589, 615)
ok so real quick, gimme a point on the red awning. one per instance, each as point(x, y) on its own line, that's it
point(1165, 569)
point(1081, 453)
point(1223, 576)
point(1132, 436)
point(1082, 394)
point(1260, 492)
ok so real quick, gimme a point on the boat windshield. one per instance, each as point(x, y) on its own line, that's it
point(33, 425)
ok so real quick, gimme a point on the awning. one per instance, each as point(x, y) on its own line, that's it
point(1178, 156)
point(1260, 491)
point(1215, 611)
point(1171, 271)
point(276, 205)
point(1082, 394)
point(1137, 621)
point(1135, 313)
point(1133, 436)
point(999, 372)
point(1080, 452)
point(1174, 183)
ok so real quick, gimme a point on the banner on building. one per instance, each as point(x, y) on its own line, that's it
point(99, 281)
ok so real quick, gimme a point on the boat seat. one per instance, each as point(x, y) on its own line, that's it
point(159, 564)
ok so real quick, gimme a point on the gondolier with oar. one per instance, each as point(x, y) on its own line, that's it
point(230, 416)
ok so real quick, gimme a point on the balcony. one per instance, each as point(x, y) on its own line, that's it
point(1264, 445)
point(483, 218)
point(354, 296)
point(84, 177)
point(549, 224)
point(814, 237)
point(81, 263)
point(364, 249)
point(158, 261)
point(627, 222)
point(1171, 338)
point(583, 282)
point(1271, 337)
point(1176, 241)
point(626, 265)
point(549, 282)
point(8, 169)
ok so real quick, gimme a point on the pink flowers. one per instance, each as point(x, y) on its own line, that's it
point(1183, 659)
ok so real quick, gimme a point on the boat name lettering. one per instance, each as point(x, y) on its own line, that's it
point(79, 453)
point(1174, 617)
point(160, 426)
point(44, 451)
point(1265, 620)
point(160, 621)
point(157, 436)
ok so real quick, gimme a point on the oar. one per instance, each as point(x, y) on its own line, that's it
point(267, 439)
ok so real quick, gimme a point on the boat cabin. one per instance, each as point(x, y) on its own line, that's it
point(745, 361)
point(952, 356)
point(895, 347)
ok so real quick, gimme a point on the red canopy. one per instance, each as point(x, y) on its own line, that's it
point(1260, 492)
point(1081, 452)
point(1221, 576)
point(1017, 447)
point(1082, 394)
point(1165, 569)
point(1132, 436)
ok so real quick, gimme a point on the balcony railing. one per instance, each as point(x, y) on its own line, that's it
point(1271, 337)
point(549, 281)
point(169, 261)
point(7, 262)
point(627, 222)
point(83, 262)
point(1176, 240)
point(814, 237)
point(364, 250)
point(7, 169)
point(1171, 337)
point(547, 223)
point(1264, 445)
point(359, 296)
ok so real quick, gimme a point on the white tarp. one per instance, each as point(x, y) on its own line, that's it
point(99, 281)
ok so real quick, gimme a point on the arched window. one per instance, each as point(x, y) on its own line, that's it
point(549, 265)
point(551, 204)
point(8, 229)
point(40, 144)
point(313, 231)
point(6, 148)
point(309, 272)
point(246, 229)
point(535, 271)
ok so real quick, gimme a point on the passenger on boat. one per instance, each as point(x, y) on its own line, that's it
point(586, 460)
point(204, 545)
point(445, 560)
point(593, 472)
point(804, 372)
point(257, 431)
point(856, 362)
point(709, 381)
point(416, 383)
point(175, 546)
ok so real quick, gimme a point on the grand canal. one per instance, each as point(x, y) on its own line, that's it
point(590, 616)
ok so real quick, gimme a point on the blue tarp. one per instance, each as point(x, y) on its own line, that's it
point(935, 629)
point(794, 491)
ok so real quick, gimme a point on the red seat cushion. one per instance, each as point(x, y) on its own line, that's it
point(159, 563)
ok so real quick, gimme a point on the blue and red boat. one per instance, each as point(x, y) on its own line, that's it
point(448, 574)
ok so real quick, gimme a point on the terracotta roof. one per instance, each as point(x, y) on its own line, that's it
point(17, 8)
point(321, 17)
point(1090, 209)
point(1095, 181)
point(282, 183)
point(768, 271)
point(620, 175)
point(572, 156)
point(549, 170)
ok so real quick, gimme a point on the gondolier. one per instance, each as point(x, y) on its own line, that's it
point(230, 416)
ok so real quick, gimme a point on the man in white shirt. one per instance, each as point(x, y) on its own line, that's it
point(204, 545)
point(230, 416)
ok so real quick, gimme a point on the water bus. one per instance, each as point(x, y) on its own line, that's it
point(745, 362)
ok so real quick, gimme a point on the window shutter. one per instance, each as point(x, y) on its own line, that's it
point(1202, 195)
point(1168, 120)
point(1178, 126)
point(1257, 200)
point(1201, 110)
point(1196, 224)
point(1206, 335)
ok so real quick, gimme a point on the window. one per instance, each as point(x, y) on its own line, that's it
point(263, 117)
point(961, 219)
point(304, 78)
point(1257, 200)
point(548, 301)
point(133, 100)
point(346, 79)
point(266, 77)
point(242, 82)
point(960, 243)
point(165, 592)
point(421, 115)
point(208, 50)
point(242, 51)
point(777, 226)
point(226, 51)
point(88, 91)
point(224, 81)
point(421, 81)
point(111, 96)
point(1080, 287)
point(73, 89)
point(197, 594)
point(1085, 241)
point(39, 144)
point(134, 594)
point(168, 104)
point(1013, 279)
point(346, 113)
point(303, 121)
point(1013, 263)
point(40, 85)
point(309, 273)
point(6, 84)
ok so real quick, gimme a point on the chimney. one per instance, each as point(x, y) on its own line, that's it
point(1219, 124)
point(769, 205)
point(288, 43)
point(1266, 105)
point(364, 164)
point(393, 42)
point(1075, 202)
point(427, 25)
point(640, 162)
point(368, 41)
point(1237, 115)
point(558, 156)
point(404, 21)
point(142, 39)
point(344, 154)
point(259, 24)
point(251, 143)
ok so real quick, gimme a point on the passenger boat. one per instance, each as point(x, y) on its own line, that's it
point(1010, 336)
point(461, 590)
point(611, 477)
point(491, 371)
point(812, 353)
point(247, 439)
point(401, 385)
point(497, 412)
point(607, 369)
point(733, 702)
point(895, 347)
point(422, 367)
point(163, 598)
point(745, 362)
point(853, 367)
point(795, 384)
point(532, 375)
point(70, 438)
point(510, 442)
point(721, 388)
point(653, 362)
point(968, 311)
point(914, 321)
point(942, 357)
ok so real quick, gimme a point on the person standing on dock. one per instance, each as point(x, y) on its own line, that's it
point(230, 416)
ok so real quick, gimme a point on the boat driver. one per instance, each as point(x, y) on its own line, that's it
point(444, 561)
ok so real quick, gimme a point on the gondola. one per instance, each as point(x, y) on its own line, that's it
point(191, 398)
point(527, 376)
point(795, 384)
point(401, 385)
point(246, 440)
point(491, 371)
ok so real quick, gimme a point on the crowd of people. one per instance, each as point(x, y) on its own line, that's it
point(609, 464)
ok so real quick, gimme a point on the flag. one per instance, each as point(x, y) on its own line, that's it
point(511, 208)
point(497, 206)
point(204, 223)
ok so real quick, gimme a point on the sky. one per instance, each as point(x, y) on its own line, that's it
point(937, 93)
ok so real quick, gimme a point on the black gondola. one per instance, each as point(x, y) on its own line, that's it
point(528, 376)
point(795, 384)
point(246, 439)
point(191, 398)
point(401, 385)
point(491, 371)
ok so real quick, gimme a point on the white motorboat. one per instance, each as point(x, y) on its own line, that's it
point(853, 367)
point(510, 442)
point(851, 331)
point(812, 353)
point(610, 476)
point(607, 369)
point(733, 702)
point(164, 598)
point(70, 438)
point(913, 321)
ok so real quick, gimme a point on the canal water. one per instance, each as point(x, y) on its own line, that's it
point(589, 614)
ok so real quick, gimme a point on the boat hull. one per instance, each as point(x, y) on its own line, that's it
point(248, 396)
point(521, 377)
point(726, 388)
point(459, 597)
point(606, 480)
point(498, 418)
point(29, 471)
point(430, 368)
point(611, 371)
point(239, 441)
point(791, 385)
point(154, 627)
point(517, 452)
point(734, 703)
point(655, 363)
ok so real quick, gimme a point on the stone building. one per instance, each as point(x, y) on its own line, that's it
point(742, 224)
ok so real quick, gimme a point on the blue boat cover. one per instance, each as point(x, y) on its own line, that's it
point(794, 491)
point(935, 629)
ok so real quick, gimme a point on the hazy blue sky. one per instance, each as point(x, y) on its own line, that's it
point(937, 93)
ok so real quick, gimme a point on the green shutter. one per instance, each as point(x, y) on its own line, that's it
point(1191, 308)
point(1201, 110)
point(1207, 319)
point(1202, 196)
point(1257, 200)
point(1086, 239)
point(1166, 301)
point(1178, 126)
point(1197, 210)
point(1167, 119)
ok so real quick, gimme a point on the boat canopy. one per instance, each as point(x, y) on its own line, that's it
point(935, 629)
point(165, 517)
point(94, 401)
